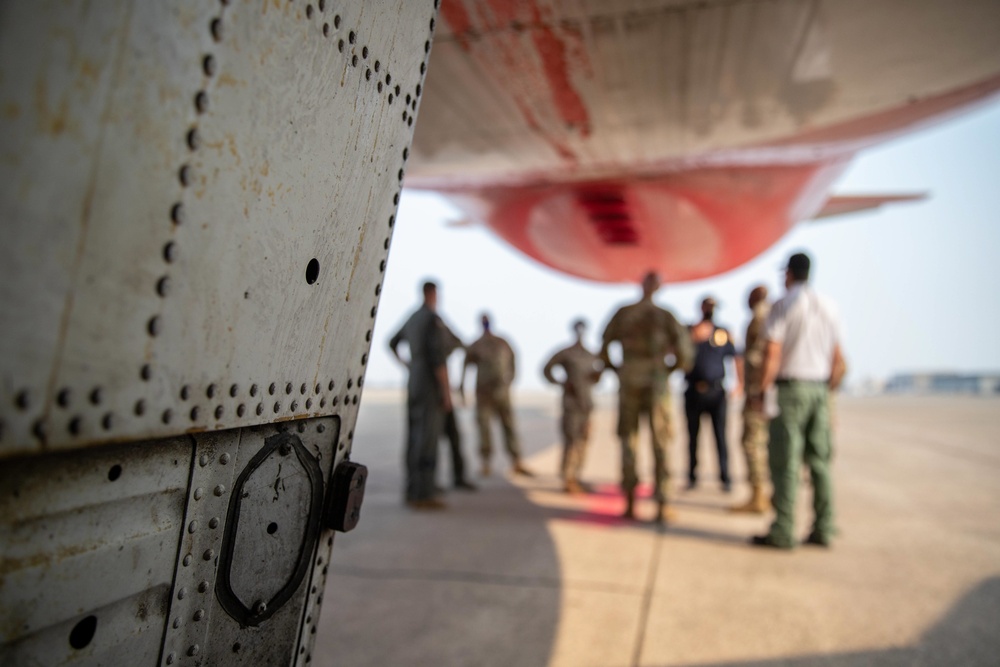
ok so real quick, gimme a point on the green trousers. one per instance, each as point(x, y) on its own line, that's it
point(801, 432)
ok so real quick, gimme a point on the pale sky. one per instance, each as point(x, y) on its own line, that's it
point(916, 284)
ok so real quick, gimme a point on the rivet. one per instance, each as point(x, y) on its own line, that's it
point(336, 21)
point(153, 326)
point(193, 140)
point(210, 391)
point(167, 415)
point(198, 615)
point(271, 388)
point(170, 658)
point(320, 428)
point(145, 372)
point(224, 459)
point(301, 428)
point(260, 607)
point(62, 398)
point(203, 460)
point(219, 490)
point(193, 650)
point(340, 45)
point(364, 52)
point(294, 406)
point(354, 60)
point(241, 410)
point(253, 390)
point(107, 421)
point(163, 286)
point(194, 413)
point(213, 522)
point(193, 526)
point(208, 65)
point(208, 555)
point(169, 252)
point(198, 493)
point(185, 392)
point(285, 449)
point(216, 28)
point(140, 408)
point(218, 412)
point(187, 560)
point(182, 593)
point(351, 37)
point(233, 390)
point(184, 175)
point(177, 622)
point(202, 586)
point(260, 409)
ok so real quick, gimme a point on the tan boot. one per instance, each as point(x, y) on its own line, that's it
point(664, 514)
point(629, 512)
point(519, 469)
point(758, 503)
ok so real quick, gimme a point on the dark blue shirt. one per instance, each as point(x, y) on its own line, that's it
point(709, 357)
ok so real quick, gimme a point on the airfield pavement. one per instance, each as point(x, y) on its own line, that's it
point(521, 574)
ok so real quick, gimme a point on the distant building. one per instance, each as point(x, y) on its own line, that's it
point(944, 383)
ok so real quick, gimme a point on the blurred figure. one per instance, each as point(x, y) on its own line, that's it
point(428, 397)
point(647, 334)
point(706, 392)
point(803, 358)
point(581, 370)
point(451, 432)
point(750, 369)
point(493, 358)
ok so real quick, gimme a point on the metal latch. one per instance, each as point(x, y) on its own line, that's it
point(347, 492)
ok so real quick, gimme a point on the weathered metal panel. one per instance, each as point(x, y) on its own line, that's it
point(197, 202)
point(89, 534)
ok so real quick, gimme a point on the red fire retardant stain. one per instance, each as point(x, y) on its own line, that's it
point(529, 119)
point(457, 17)
point(552, 53)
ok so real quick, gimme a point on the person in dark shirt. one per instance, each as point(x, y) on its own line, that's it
point(705, 390)
point(428, 397)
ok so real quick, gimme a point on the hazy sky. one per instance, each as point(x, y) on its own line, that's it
point(916, 284)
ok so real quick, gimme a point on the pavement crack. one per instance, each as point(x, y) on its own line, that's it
point(647, 600)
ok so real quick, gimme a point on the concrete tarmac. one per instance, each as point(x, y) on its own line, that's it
point(520, 573)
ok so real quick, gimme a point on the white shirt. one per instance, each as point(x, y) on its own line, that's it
point(806, 326)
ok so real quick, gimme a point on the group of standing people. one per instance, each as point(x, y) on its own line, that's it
point(429, 407)
point(793, 346)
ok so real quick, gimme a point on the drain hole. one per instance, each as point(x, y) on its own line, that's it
point(83, 632)
point(312, 271)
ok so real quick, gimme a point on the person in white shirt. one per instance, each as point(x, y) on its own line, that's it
point(803, 358)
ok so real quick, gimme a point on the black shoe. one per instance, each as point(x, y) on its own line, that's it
point(462, 485)
point(817, 540)
point(767, 541)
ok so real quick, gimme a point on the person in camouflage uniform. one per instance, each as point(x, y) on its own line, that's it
point(493, 358)
point(647, 334)
point(750, 367)
point(581, 370)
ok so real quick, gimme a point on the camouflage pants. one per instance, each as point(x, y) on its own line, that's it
point(634, 402)
point(490, 405)
point(575, 432)
point(755, 426)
